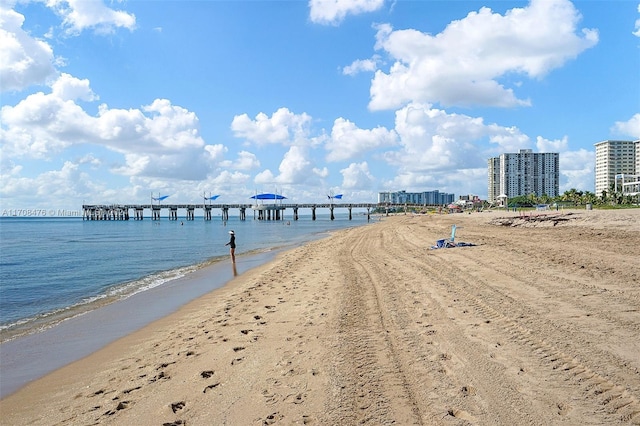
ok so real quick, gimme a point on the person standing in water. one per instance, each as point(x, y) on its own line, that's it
point(232, 245)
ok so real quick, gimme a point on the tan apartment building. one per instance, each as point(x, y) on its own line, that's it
point(615, 158)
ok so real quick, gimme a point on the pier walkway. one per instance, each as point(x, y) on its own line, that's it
point(260, 211)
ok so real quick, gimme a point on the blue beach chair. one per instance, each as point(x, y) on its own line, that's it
point(444, 243)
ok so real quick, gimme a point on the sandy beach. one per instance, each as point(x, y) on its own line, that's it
point(538, 323)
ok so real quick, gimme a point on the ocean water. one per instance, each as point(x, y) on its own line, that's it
point(52, 269)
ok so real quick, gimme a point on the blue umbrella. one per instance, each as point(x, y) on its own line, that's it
point(268, 197)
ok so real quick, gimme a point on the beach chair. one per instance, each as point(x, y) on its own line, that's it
point(444, 243)
point(451, 242)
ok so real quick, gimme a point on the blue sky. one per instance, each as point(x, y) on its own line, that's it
point(109, 102)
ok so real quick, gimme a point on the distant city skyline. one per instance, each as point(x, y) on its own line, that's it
point(111, 102)
point(427, 198)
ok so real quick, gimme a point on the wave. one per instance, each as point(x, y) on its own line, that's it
point(46, 320)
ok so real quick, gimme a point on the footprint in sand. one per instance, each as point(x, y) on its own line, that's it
point(121, 406)
point(563, 408)
point(272, 418)
point(468, 390)
point(295, 399)
point(460, 414)
point(270, 398)
point(177, 406)
point(161, 376)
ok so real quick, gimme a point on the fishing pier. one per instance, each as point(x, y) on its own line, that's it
point(260, 211)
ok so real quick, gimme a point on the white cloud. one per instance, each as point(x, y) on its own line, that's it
point(463, 64)
point(69, 185)
point(637, 26)
point(41, 125)
point(507, 139)
point(68, 88)
point(227, 178)
point(284, 127)
point(347, 141)
point(357, 176)
point(90, 159)
point(433, 140)
point(322, 173)
point(546, 145)
point(332, 12)
point(446, 151)
point(265, 177)
point(79, 15)
point(171, 126)
point(630, 127)
point(362, 65)
point(296, 168)
point(24, 60)
point(159, 139)
point(216, 152)
point(576, 167)
point(576, 170)
point(245, 161)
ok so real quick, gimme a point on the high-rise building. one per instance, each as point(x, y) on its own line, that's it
point(524, 173)
point(615, 158)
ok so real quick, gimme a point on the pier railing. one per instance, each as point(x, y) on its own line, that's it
point(261, 211)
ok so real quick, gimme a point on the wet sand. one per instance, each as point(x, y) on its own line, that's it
point(538, 323)
point(33, 356)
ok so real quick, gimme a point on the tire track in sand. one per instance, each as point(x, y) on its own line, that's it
point(467, 382)
point(369, 382)
point(613, 400)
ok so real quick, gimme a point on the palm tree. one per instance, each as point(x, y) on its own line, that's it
point(545, 199)
point(589, 198)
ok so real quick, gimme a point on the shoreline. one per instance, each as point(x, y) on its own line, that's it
point(32, 356)
point(65, 285)
point(533, 324)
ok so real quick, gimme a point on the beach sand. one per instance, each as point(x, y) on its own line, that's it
point(538, 323)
